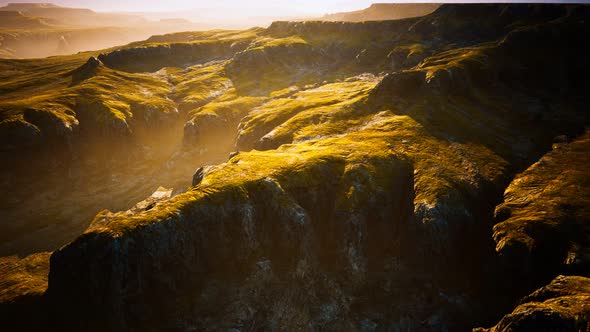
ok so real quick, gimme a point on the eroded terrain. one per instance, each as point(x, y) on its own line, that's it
point(346, 176)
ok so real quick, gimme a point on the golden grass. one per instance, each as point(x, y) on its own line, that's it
point(23, 277)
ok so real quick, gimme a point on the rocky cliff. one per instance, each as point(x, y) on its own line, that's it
point(367, 160)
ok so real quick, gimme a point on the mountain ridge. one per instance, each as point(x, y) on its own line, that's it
point(16, 20)
point(383, 11)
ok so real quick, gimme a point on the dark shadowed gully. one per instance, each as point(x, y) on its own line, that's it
point(422, 174)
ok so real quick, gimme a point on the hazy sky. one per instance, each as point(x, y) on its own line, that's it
point(259, 7)
point(277, 7)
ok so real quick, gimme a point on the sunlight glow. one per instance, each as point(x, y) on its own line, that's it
point(255, 7)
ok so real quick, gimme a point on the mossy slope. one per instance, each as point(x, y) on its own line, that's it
point(543, 224)
point(23, 283)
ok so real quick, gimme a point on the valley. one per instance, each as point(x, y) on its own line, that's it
point(37, 30)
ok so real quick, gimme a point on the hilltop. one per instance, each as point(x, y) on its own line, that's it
point(384, 11)
point(428, 173)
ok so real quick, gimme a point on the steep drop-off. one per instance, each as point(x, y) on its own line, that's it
point(369, 159)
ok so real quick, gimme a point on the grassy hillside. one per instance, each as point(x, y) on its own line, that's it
point(543, 222)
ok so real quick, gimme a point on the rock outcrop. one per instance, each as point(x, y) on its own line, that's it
point(87, 70)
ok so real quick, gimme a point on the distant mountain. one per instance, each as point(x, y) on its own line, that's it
point(16, 20)
point(24, 7)
point(38, 43)
point(73, 16)
point(384, 11)
point(47, 10)
point(30, 30)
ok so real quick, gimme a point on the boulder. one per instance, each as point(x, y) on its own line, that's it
point(87, 70)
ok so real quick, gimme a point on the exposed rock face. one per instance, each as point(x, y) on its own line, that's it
point(16, 134)
point(563, 305)
point(152, 58)
point(282, 28)
point(273, 226)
